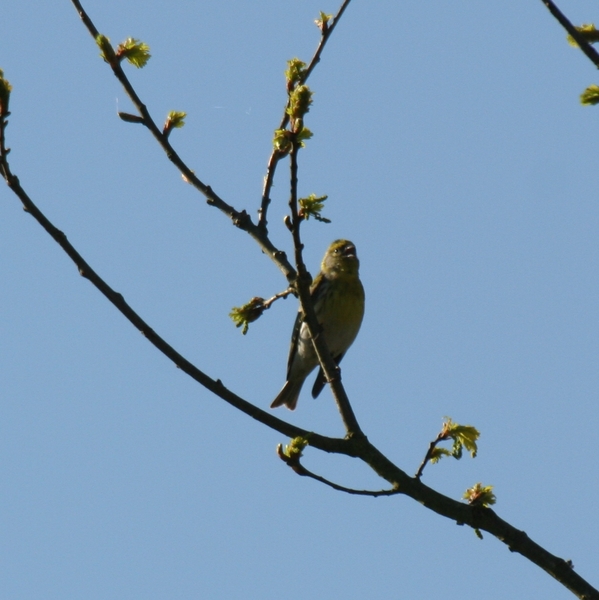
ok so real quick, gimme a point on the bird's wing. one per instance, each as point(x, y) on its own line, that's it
point(315, 292)
point(294, 340)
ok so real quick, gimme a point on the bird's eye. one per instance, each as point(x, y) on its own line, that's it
point(336, 251)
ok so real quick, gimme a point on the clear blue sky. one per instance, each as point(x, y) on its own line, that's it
point(455, 154)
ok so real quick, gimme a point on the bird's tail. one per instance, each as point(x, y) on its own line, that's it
point(289, 395)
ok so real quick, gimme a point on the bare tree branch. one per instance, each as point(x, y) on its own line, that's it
point(85, 270)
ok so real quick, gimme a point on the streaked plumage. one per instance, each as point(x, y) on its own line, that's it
point(338, 298)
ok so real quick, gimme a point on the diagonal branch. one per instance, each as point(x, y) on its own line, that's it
point(85, 270)
point(354, 446)
point(276, 155)
point(477, 517)
point(239, 218)
point(331, 370)
point(591, 53)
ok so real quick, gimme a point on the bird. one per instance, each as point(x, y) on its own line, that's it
point(338, 297)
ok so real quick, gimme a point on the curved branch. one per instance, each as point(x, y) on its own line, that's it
point(476, 517)
point(85, 270)
point(354, 446)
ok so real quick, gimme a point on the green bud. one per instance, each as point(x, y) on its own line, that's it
point(300, 100)
point(282, 141)
point(295, 71)
point(323, 22)
point(5, 89)
point(174, 120)
point(479, 495)
point(295, 448)
point(590, 96)
point(242, 316)
point(588, 32)
point(312, 206)
point(106, 49)
point(303, 135)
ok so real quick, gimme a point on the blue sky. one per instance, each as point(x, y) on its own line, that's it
point(456, 155)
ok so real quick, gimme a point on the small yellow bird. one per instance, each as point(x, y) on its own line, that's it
point(338, 298)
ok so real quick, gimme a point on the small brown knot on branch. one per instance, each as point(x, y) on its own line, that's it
point(241, 219)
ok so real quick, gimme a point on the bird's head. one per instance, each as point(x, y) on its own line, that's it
point(341, 258)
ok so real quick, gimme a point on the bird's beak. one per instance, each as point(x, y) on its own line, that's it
point(350, 252)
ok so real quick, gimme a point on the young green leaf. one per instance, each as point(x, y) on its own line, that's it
point(588, 32)
point(479, 495)
point(466, 435)
point(135, 51)
point(174, 120)
point(438, 453)
point(312, 206)
point(303, 135)
point(282, 141)
point(323, 22)
point(590, 96)
point(242, 316)
point(300, 100)
point(295, 71)
point(463, 436)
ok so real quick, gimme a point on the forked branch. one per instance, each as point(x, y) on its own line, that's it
point(356, 445)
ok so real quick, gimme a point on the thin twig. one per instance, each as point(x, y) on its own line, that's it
point(297, 466)
point(268, 303)
point(431, 448)
point(323, 40)
point(276, 155)
point(591, 53)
